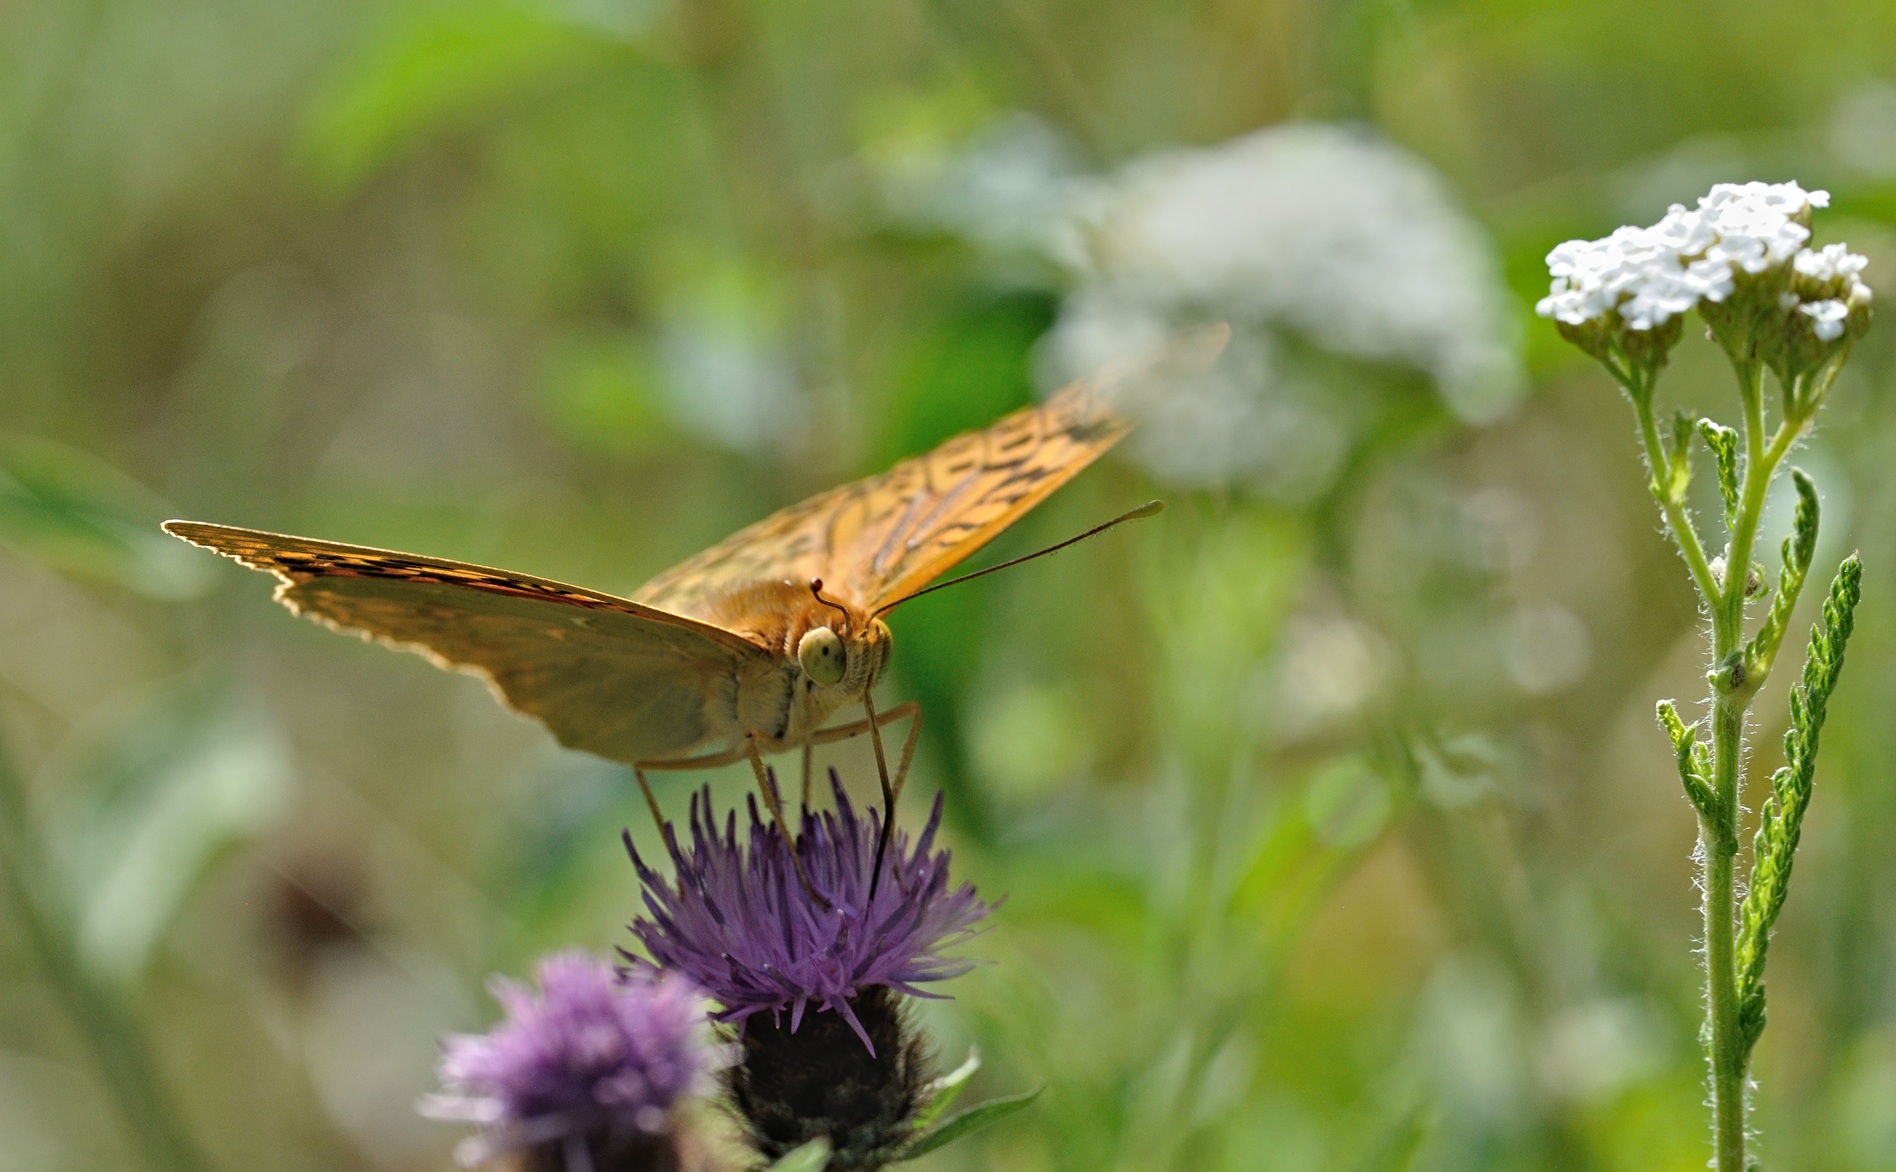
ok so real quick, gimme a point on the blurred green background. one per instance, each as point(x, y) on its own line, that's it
point(1335, 832)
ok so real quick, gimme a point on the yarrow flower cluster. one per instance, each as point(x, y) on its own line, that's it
point(740, 923)
point(1650, 275)
point(1739, 257)
point(592, 1062)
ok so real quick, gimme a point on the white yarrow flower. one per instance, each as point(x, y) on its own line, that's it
point(1829, 263)
point(1741, 260)
point(1650, 275)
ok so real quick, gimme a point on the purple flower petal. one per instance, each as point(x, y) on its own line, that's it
point(590, 1051)
point(740, 924)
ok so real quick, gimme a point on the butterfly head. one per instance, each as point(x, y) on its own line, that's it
point(841, 647)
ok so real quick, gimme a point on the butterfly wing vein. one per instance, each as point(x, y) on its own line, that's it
point(609, 676)
point(879, 539)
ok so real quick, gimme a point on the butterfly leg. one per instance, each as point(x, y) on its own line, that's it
point(809, 751)
point(676, 765)
point(651, 803)
point(764, 786)
point(769, 789)
point(892, 794)
point(882, 774)
point(908, 709)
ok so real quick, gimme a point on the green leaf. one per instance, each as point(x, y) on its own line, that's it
point(1804, 524)
point(1394, 1146)
point(1677, 731)
point(1687, 748)
point(1679, 474)
point(170, 793)
point(972, 1120)
point(1781, 818)
point(1798, 549)
point(811, 1157)
point(80, 516)
point(942, 1093)
point(434, 67)
point(1723, 442)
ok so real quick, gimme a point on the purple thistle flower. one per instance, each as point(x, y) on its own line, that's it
point(740, 923)
point(591, 1063)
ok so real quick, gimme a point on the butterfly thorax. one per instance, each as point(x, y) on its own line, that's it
point(787, 701)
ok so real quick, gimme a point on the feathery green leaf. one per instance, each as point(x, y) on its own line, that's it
point(1781, 820)
point(1798, 549)
point(1723, 441)
point(1693, 762)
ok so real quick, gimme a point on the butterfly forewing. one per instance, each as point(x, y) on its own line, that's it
point(880, 539)
point(672, 672)
point(606, 675)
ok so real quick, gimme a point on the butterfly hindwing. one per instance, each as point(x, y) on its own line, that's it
point(880, 539)
point(606, 675)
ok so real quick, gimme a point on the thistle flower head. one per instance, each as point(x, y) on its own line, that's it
point(739, 922)
point(592, 1057)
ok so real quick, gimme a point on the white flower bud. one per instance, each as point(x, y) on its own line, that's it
point(1827, 316)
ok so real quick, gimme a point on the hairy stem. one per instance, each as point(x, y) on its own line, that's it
point(1718, 851)
point(1678, 522)
point(1727, 1054)
point(1723, 596)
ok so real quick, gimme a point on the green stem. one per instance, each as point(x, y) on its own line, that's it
point(151, 1119)
point(1673, 509)
point(1718, 851)
point(1718, 838)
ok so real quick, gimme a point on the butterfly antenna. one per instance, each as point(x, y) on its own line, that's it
point(1149, 509)
point(888, 795)
point(816, 591)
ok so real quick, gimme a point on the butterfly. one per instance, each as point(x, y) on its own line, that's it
point(746, 649)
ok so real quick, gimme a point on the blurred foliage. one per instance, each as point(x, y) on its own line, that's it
point(1334, 832)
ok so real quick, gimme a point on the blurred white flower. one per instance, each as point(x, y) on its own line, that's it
point(1328, 669)
point(1545, 647)
point(1313, 231)
point(1004, 190)
point(728, 385)
point(728, 371)
point(1597, 1048)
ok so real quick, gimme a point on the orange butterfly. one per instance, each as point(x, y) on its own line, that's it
point(747, 648)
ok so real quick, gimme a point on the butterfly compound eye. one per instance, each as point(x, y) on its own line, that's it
point(821, 653)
